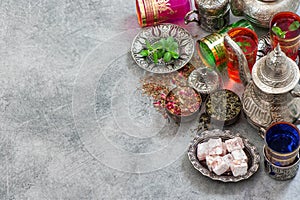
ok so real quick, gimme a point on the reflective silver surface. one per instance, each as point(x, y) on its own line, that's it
point(212, 15)
point(260, 12)
point(69, 104)
point(205, 80)
point(186, 47)
point(250, 150)
point(268, 95)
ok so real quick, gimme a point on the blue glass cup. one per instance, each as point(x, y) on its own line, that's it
point(282, 141)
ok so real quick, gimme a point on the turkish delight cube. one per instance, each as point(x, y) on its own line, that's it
point(211, 161)
point(220, 167)
point(202, 150)
point(228, 158)
point(238, 168)
point(215, 146)
point(224, 149)
point(239, 155)
point(234, 144)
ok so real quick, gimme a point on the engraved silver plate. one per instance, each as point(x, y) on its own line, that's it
point(250, 150)
point(153, 35)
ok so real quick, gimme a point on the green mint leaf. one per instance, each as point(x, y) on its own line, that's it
point(163, 42)
point(294, 26)
point(172, 47)
point(243, 45)
point(277, 30)
point(149, 47)
point(160, 53)
point(144, 53)
point(170, 40)
point(155, 57)
point(174, 55)
point(167, 57)
point(246, 44)
point(157, 45)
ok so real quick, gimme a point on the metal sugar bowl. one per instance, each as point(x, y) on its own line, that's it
point(272, 91)
point(212, 15)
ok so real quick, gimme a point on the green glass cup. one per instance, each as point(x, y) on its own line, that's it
point(211, 48)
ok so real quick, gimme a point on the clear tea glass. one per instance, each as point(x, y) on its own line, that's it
point(247, 40)
point(211, 48)
point(285, 30)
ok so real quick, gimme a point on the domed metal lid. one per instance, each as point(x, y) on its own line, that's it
point(212, 7)
point(205, 80)
point(275, 73)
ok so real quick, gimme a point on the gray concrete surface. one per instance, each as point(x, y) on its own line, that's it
point(73, 124)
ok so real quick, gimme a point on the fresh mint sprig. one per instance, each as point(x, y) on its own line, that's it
point(293, 27)
point(165, 48)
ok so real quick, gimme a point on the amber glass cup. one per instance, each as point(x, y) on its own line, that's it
point(247, 40)
point(285, 30)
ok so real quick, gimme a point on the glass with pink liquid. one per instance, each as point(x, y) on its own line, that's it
point(247, 40)
point(152, 12)
point(285, 30)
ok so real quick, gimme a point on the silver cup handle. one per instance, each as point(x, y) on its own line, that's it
point(194, 19)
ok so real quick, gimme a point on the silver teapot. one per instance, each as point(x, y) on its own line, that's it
point(272, 91)
point(260, 12)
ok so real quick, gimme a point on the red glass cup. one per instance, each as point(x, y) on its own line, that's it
point(152, 12)
point(285, 30)
point(247, 40)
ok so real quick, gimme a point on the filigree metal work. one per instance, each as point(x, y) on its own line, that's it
point(212, 15)
point(260, 12)
point(281, 173)
point(250, 150)
point(269, 94)
point(154, 34)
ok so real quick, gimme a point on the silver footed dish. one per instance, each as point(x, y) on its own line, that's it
point(250, 150)
point(153, 35)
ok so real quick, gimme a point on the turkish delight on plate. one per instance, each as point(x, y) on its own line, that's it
point(238, 167)
point(234, 144)
point(202, 150)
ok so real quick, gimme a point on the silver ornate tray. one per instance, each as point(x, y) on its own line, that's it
point(154, 34)
point(250, 150)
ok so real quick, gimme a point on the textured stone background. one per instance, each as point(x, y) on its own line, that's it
point(43, 45)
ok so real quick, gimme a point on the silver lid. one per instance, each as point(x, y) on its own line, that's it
point(212, 7)
point(204, 80)
point(275, 73)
